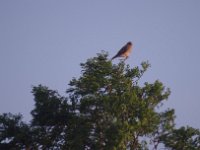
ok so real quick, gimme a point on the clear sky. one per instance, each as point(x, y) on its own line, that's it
point(44, 41)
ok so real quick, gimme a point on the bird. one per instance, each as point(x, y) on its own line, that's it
point(124, 51)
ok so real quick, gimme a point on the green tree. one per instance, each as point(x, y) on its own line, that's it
point(184, 138)
point(14, 133)
point(118, 110)
point(106, 108)
point(52, 118)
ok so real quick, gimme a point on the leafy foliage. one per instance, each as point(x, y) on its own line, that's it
point(106, 108)
point(13, 132)
point(184, 138)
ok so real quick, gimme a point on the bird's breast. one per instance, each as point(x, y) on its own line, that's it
point(127, 53)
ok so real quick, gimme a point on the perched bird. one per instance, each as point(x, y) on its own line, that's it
point(124, 51)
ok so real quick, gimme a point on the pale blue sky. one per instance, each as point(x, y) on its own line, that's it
point(44, 41)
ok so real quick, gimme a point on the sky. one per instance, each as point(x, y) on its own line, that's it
point(44, 42)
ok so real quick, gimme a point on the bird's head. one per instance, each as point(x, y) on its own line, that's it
point(129, 43)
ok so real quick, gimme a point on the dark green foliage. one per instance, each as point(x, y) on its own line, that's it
point(106, 109)
point(14, 134)
point(50, 107)
point(119, 110)
point(184, 138)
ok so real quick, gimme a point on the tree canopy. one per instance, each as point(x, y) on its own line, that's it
point(105, 109)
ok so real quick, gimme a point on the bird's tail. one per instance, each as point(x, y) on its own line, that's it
point(114, 57)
